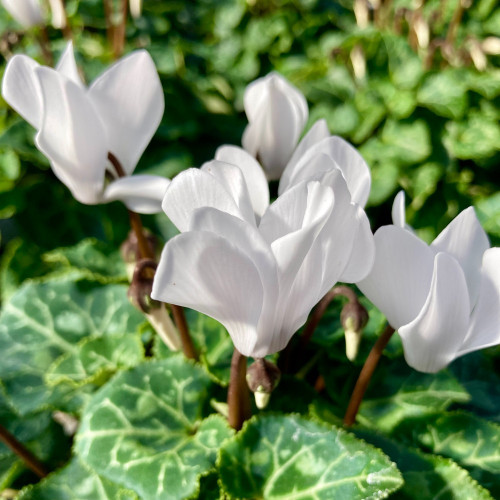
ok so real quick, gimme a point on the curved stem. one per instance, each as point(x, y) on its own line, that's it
point(22, 452)
point(366, 374)
point(238, 394)
point(147, 253)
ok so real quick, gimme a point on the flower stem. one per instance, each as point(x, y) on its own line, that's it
point(365, 375)
point(147, 253)
point(22, 452)
point(108, 13)
point(120, 30)
point(238, 394)
point(44, 42)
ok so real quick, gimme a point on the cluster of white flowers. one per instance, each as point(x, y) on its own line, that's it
point(259, 267)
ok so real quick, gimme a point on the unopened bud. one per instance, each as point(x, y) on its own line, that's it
point(140, 288)
point(262, 378)
point(130, 250)
point(354, 318)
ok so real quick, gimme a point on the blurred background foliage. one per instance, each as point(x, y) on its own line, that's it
point(415, 87)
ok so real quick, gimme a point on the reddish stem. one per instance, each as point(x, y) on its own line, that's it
point(366, 375)
point(238, 394)
point(22, 452)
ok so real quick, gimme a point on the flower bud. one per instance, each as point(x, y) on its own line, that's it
point(262, 378)
point(354, 318)
point(130, 251)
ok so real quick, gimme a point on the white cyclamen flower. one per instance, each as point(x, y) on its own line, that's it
point(308, 161)
point(259, 269)
point(78, 126)
point(58, 11)
point(277, 113)
point(27, 13)
point(443, 298)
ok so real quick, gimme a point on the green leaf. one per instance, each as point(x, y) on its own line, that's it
point(76, 482)
point(211, 341)
point(44, 321)
point(96, 359)
point(398, 393)
point(409, 142)
point(405, 66)
point(143, 429)
point(425, 476)
point(290, 457)
point(470, 440)
point(487, 84)
point(92, 258)
point(474, 139)
point(445, 93)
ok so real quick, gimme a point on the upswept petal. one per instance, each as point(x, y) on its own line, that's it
point(67, 65)
point(76, 145)
point(290, 249)
point(277, 113)
point(255, 178)
point(21, 89)
point(431, 341)
point(194, 189)
point(466, 240)
point(316, 133)
point(398, 210)
point(248, 239)
point(258, 91)
point(350, 162)
point(400, 279)
point(484, 328)
point(206, 272)
point(141, 193)
point(363, 250)
point(28, 13)
point(129, 98)
point(232, 179)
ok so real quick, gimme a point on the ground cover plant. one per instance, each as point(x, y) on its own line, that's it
point(307, 306)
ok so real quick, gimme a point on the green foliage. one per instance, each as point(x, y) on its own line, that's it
point(49, 323)
point(144, 430)
point(290, 457)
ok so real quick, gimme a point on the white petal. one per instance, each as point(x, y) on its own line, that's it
point(350, 162)
point(400, 279)
point(248, 239)
point(129, 97)
point(363, 250)
point(194, 189)
point(67, 65)
point(28, 13)
point(317, 132)
point(484, 329)
point(398, 210)
point(58, 14)
point(254, 175)
point(232, 179)
point(141, 193)
point(277, 113)
point(206, 272)
point(72, 136)
point(466, 240)
point(291, 225)
point(431, 341)
point(21, 90)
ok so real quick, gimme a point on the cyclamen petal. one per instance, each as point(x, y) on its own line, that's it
point(297, 250)
point(77, 146)
point(28, 13)
point(222, 283)
point(461, 311)
point(77, 127)
point(277, 113)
